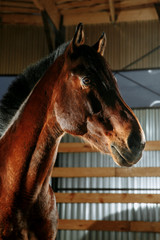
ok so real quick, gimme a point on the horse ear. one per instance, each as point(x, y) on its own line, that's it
point(101, 44)
point(78, 38)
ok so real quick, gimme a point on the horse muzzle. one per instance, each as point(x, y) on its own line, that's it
point(128, 154)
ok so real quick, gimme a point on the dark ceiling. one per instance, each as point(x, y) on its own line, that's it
point(71, 12)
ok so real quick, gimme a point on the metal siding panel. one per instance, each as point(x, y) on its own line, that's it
point(149, 119)
point(126, 42)
point(20, 46)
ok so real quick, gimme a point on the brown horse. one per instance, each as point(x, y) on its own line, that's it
point(78, 95)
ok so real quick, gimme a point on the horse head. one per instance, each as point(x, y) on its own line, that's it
point(88, 103)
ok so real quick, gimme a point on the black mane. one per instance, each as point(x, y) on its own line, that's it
point(22, 86)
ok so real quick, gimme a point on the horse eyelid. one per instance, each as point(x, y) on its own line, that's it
point(85, 80)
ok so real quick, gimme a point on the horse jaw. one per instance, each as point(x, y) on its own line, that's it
point(119, 148)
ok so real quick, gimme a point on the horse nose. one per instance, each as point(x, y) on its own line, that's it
point(136, 141)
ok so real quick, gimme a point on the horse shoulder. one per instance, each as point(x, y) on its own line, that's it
point(43, 215)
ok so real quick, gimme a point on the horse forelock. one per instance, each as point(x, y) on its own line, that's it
point(94, 66)
point(22, 86)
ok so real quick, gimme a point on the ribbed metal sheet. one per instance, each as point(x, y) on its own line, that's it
point(150, 120)
point(126, 42)
point(20, 46)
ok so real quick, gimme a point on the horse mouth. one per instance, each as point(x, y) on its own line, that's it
point(120, 159)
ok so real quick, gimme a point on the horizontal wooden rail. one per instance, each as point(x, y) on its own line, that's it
point(121, 226)
point(106, 172)
point(75, 147)
point(106, 198)
point(84, 147)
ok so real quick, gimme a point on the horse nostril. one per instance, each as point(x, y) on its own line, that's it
point(135, 141)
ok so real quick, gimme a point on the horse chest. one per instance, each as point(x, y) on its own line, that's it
point(35, 222)
point(19, 227)
point(14, 226)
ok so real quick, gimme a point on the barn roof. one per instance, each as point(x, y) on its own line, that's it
point(71, 12)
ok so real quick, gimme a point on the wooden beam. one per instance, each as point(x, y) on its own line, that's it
point(51, 9)
point(6, 9)
point(112, 10)
point(47, 30)
point(86, 18)
point(21, 19)
point(136, 4)
point(106, 198)
point(62, 1)
point(111, 4)
point(39, 5)
point(85, 147)
point(93, 9)
point(80, 4)
point(75, 147)
point(83, 172)
point(106, 172)
point(137, 15)
point(121, 226)
point(157, 7)
point(152, 146)
point(143, 14)
point(138, 172)
point(17, 4)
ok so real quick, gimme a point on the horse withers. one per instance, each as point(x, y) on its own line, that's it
point(76, 94)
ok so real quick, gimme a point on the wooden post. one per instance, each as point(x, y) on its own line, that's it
point(112, 10)
point(45, 19)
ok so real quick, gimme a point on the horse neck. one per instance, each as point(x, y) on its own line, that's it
point(28, 149)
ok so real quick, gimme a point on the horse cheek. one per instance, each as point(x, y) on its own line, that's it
point(70, 118)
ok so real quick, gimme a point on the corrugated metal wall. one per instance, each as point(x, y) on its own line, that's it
point(20, 46)
point(126, 42)
point(150, 119)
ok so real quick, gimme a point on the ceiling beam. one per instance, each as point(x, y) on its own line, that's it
point(21, 19)
point(103, 17)
point(86, 18)
point(144, 14)
point(50, 7)
point(157, 7)
point(136, 3)
point(80, 10)
point(112, 10)
point(22, 10)
point(82, 4)
point(17, 4)
point(47, 30)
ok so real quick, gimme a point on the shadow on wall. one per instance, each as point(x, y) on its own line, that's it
point(147, 212)
point(135, 212)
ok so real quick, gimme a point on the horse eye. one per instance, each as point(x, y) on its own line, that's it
point(86, 81)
